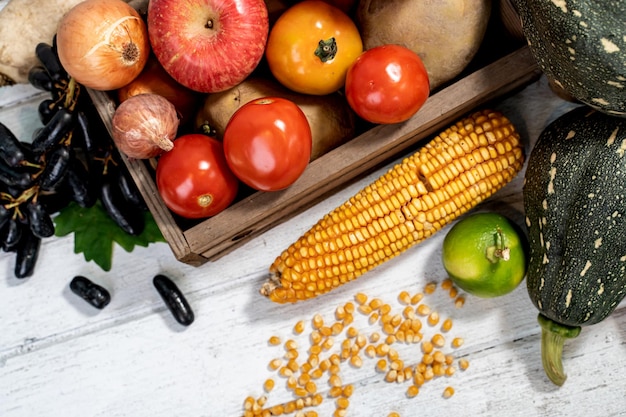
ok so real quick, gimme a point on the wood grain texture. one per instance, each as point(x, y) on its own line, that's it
point(59, 356)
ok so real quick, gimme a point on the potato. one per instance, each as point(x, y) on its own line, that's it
point(331, 119)
point(446, 34)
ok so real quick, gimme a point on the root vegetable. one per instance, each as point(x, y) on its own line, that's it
point(332, 121)
point(446, 34)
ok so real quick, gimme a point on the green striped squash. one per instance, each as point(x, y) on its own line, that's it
point(575, 207)
point(581, 47)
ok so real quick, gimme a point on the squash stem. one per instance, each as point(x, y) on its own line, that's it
point(553, 337)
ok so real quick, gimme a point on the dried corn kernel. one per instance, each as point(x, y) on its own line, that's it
point(427, 346)
point(404, 298)
point(381, 365)
point(335, 392)
point(412, 391)
point(418, 379)
point(416, 298)
point(463, 364)
point(375, 303)
point(268, 385)
point(446, 284)
point(364, 309)
point(423, 310)
point(275, 364)
point(439, 357)
point(430, 288)
point(459, 302)
point(334, 380)
point(342, 402)
point(310, 387)
point(352, 332)
point(448, 392)
point(340, 313)
point(348, 390)
point(384, 309)
point(360, 298)
point(274, 340)
point(438, 340)
point(391, 376)
point(453, 292)
point(298, 328)
point(446, 326)
point(373, 318)
point(433, 318)
point(318, 321)
point(457, 342)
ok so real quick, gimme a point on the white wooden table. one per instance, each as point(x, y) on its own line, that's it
point(61, 357)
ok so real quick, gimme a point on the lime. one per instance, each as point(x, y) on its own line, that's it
point(485, 254)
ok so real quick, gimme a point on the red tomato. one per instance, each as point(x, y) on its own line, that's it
point(193, 178)
point(267, 143)
point(387, 84)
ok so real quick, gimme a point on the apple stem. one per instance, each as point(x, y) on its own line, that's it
point(326, 49)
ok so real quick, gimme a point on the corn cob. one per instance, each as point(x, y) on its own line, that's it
point(459, 168)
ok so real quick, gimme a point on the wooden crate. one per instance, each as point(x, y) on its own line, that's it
point(250, 216)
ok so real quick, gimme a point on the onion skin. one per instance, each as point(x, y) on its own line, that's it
point(145, 126)
point(103, 44)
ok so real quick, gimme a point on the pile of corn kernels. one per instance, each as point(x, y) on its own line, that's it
point(333, 344)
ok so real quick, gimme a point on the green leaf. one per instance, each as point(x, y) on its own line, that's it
point(95, 233)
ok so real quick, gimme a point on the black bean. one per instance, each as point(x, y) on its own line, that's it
point(91, 292)
point(174, 299)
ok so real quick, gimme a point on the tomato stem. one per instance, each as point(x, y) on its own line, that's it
point(326, 49)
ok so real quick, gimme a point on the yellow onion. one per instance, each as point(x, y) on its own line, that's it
point(103, 44)
point(145, 126)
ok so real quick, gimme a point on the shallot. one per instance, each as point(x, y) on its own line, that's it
point(145, 126)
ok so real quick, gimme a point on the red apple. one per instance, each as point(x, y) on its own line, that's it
point(208, 45)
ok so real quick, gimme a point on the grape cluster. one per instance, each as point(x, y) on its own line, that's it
point(71, 158)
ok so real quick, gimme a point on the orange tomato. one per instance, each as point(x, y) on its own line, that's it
point(311, 46)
